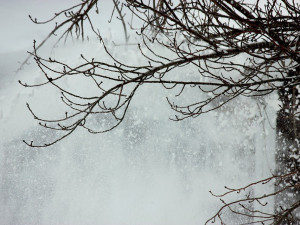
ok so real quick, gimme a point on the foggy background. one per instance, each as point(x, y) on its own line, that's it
point(149, 170)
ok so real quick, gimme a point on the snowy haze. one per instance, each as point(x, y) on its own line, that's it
point(148, 171)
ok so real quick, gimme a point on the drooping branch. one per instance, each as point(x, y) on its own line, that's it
point(75, 17)
point(208, 35)
point(233, 48)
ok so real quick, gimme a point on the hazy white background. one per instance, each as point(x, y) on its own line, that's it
point(147, 171)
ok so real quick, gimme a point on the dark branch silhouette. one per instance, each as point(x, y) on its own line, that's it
point(238, 49)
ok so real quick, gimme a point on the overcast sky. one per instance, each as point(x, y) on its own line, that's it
point(17, 29)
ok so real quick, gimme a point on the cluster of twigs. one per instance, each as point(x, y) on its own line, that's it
point(73, 22)
point(243, 207)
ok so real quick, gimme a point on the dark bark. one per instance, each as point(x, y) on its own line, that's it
point(288, 151)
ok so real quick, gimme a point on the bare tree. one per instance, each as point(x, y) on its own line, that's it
point(238, 49)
